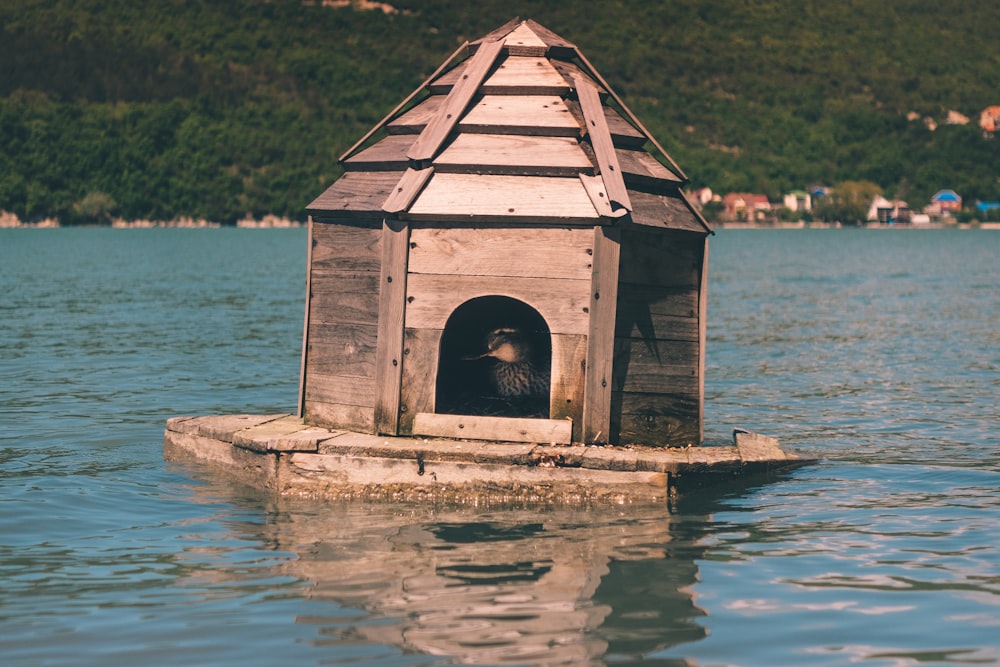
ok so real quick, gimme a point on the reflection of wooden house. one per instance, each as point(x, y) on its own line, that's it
point(512, 190)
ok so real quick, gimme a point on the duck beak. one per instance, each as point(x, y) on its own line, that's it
point(478, 356)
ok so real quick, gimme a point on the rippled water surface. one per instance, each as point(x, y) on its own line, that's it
point(875, 350)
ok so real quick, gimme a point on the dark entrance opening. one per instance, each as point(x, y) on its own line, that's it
point(496, 355)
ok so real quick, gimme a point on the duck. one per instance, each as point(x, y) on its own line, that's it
point(513, 374)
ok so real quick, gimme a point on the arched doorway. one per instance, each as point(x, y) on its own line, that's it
point(467, 373)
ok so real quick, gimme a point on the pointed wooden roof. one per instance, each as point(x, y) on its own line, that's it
point(522, 130)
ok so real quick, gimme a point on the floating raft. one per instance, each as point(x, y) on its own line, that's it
point(282, 454)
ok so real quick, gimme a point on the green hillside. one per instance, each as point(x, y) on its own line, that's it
point(219, 109)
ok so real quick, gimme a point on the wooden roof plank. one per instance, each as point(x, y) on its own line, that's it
point(514, 154)
point(355, 192)
point(517, 75)
point(667, 212)
point(437, 130)
point(389, 154)
point(507, 114)
point(600, 138)
point(407, 189)
point(465, 196)
point(642, 169)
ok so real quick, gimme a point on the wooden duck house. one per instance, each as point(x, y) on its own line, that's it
point(508, 256)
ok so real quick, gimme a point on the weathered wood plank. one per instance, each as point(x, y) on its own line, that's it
point(522, 41)
point(354, 192)
point(569, 71)
point(339, 416)
point(488, 197)
point(666, 211)
point(640, 169)
point(598, 193)
point(509, 429)
point(623, 134)
point(339, 389)
point(569, 362)
point(389, 154)
point(516, 75)
point(600, 139)
point(702, 319)
point(407, 189)
point(514, 155)
point(661, 259)
point(414, 120)
point(343, 248)
point(675, 301)
point(600, 336)
point(350, 298)
point(429, 142)
point(502, 252)
point(521, 114)
point(392, 307)
point(636, 321)
point(346, 350)
point(563, 303)
point(300, 405)
point(669, 430)
point(420, 368)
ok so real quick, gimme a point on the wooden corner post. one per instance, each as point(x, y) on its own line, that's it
point(391, 312)
point(601, 335)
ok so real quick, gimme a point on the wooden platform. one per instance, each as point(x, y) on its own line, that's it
point(281, 454)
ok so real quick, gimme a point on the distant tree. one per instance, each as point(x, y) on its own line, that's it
point(848, 203)
point(712, 210)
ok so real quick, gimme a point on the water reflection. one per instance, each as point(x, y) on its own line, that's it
point(493, 585)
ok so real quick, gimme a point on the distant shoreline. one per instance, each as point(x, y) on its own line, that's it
point(11, 221)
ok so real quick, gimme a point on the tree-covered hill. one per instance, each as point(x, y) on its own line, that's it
point(219, 109)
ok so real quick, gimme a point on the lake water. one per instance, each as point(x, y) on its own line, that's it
point(876, 350)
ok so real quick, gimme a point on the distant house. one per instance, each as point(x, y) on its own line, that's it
point(984, 207)
point(703, 195)
point(746, 207)
point(889, 212)
point(798, 200)
point(945, 202)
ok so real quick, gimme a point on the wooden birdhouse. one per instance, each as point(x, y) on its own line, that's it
point(508, 256)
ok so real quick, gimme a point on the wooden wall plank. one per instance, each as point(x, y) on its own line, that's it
point(350, 298)
point(433, 135)
point(338, 416)
point(600, 336)
point(346, 350)
point(563, 303)
point(514, 155)
point(392, 307)
point(600, 139)
point(344, 249)
point(472, 196)
point(665, 259)
point(420, 366)
point(569, 363)
point(502, 252)
point(339, 389)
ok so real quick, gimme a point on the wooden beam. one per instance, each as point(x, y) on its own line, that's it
point(305, 325)
point(430, 140)
point(600, 139)
point(598, 194)
point(601, 336)
point(389, 341)
point(402, 104)
point(503, 429)
point(631, 116)
point(702, 325)
point(409, 186)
